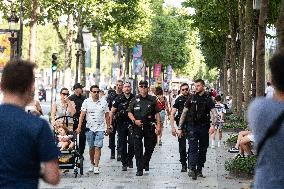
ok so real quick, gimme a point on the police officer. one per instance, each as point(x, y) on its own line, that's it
point(110, 99)
point(178, 108)
point(119, 107)
point(78, 98)
point(197, 112)
point(144, 113)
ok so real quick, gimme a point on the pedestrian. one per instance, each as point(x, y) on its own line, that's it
point(28, 149)
point(265, 117)
point(62, 107)
point(143, 111)
point(197, 112)
point(163, 106)
point(175, 116)
point(34, 108)
point(124, 128)
point(78, 99)
point(110, 98)
point(269, 91)
point(220, 108)
point(97, 113)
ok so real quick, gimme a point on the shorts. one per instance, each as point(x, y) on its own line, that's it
point(219, 125)
point(163, 115)
point(250, 137)
point(95, 139)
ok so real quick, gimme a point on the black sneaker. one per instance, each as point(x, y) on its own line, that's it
point(112, 156)
point(118, 157)
point(130, 164)
point(199, 173)
point(124, 168)
point(192, 174)
point(139, 173)
point(184, 168)
point(146, 167)
point(233, 150)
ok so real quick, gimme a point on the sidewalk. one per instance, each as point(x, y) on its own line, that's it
point(164, 172)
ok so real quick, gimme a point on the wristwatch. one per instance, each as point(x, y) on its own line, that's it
point(133, 121)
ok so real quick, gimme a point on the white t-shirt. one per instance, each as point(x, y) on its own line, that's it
point(269, 91)
point(95, 113)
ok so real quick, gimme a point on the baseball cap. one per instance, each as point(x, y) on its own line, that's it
point(143, 82)
point(78, 85)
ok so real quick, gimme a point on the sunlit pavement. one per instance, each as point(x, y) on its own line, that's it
point(164, 172)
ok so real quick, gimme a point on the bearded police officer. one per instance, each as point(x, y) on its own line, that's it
point(144, 113)
point(178, 107)
point(120, 105)
point(197, 112)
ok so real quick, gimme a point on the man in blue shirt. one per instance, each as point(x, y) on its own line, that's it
point(26, 140)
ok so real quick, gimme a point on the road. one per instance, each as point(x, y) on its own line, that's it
point(164, 172)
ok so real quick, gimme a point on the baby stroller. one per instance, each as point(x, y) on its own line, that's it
point(70, 157)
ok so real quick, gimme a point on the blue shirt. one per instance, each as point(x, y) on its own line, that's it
point(269, 171)
point(25, 141)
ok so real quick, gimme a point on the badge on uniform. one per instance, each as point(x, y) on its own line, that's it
point(138, 99)
point(137, 108)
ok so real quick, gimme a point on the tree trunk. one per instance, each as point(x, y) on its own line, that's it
point(68, 51)
point(260, 50)
point(225, 67)
point(98, 64)
point(33, 26)
point(69, 42)
point(127, 61)
point(248, 51)
point(233, 54)
point(280, 28)
point(241, 59)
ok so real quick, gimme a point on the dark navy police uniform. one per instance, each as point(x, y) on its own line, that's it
point(179, 105)
point(198, 118)
point(144, 109)
point(121, 103)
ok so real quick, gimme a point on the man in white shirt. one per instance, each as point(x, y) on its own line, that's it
point(97, 112)
point(269, 91)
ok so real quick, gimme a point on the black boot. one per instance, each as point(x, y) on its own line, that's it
point(124, 168)
point(192, 174)
point(112, 155)
point(139, 173)
point(184, 168)
point(146, 166)
point(199, 172)
point(118, 157)
point(130, 164)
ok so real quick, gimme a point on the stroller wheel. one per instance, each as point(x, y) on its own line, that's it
point(76, 171)
point(81, 166)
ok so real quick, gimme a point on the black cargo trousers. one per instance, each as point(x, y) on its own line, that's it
point(182, 147)
point(198, 140)
point(150, 140)
point(126, 143)
point(112, 138)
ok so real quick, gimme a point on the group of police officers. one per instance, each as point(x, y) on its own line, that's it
point(135, 118)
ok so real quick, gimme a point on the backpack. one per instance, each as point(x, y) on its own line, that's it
point(198, 109)
point(160, 104)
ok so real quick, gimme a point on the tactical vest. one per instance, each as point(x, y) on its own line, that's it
point(198, 109)
point(122, 113)
point(144, 108)
point(182, 99)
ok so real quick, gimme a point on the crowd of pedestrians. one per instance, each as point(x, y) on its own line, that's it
point(195, 116)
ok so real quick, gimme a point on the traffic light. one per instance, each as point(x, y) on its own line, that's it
point(54, 62)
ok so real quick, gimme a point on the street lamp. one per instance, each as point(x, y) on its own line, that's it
point(13, 20)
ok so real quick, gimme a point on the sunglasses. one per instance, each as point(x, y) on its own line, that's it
point(65, 94)
point(95, 92)
point(186, 89)
point(143, 86)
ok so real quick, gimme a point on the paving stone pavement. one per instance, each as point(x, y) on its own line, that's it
point(164, 172)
